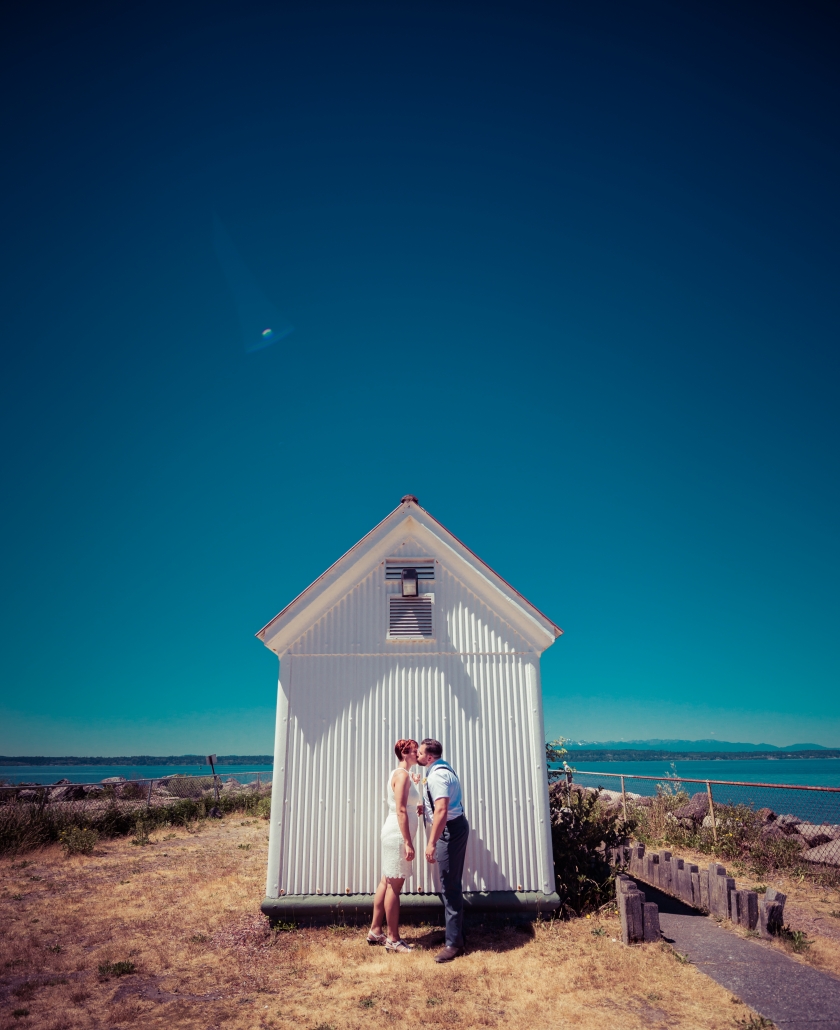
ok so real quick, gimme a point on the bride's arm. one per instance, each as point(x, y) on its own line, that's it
point(401, 785)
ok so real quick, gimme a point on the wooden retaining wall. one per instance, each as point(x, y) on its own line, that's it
point(709, 890)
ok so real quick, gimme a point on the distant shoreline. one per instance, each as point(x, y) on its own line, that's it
point(136, 760)
point(573, 755)
point(628, 755)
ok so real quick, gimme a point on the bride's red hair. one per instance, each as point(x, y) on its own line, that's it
point(402, 747)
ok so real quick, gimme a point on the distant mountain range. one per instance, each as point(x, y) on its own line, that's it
point(583, 750)
point(683, 745)
point(138, 760)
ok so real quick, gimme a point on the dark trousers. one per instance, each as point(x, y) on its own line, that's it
point(449, 855)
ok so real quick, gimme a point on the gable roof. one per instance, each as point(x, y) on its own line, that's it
point(408, 519)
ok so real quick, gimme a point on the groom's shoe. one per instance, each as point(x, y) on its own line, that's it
point(448, 953)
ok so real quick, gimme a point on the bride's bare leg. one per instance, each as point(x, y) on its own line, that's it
point(378, 908)
point(392, 906)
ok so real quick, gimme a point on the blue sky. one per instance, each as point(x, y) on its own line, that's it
point(568, 274)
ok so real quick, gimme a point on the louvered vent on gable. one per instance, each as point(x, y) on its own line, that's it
point(425, 570)
point(410, 616)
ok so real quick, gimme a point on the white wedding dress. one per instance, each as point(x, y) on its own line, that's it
point(394, 863)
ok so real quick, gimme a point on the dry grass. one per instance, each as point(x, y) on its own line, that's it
point(184, 912)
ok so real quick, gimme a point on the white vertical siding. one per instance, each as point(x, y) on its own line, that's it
point(352, 693)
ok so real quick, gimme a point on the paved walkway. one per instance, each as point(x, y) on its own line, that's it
point(794, 996)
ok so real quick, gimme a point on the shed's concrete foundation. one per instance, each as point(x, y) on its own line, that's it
point(322, 909)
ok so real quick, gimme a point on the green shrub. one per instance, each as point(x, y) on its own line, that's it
point(263, 809)
point(141, 833)
point(739, 833)
point(797, 940)
point(116, 968)
point(741, 837)
point(581, 827)
point(24, 827)
point(78, 840)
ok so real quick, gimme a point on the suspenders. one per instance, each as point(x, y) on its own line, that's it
point(429, 793)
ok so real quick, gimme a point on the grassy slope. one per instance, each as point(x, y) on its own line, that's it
point(185, 912)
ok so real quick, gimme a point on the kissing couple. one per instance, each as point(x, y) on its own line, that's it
point(440, 803)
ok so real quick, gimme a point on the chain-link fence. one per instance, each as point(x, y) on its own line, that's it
point(35, 814)
point(773, 825)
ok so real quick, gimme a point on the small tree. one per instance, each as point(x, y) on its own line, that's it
point(581, 829)
point(554, 752)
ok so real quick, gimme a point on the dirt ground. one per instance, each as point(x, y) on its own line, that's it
point(182, 915)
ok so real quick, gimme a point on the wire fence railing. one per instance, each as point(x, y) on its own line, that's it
point(791, 823)
point(160, 790)
point(35, 814)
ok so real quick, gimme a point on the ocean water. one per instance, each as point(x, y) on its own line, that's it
point(813, 772)
point(12, 774)
point(783, 777)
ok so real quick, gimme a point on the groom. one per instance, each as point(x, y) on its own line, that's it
point(447, 831)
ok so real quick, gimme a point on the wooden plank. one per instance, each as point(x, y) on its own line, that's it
point(704, 890)
point(748, 909)
point(650, 922)
point(630, 914)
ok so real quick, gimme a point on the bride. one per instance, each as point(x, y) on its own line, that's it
point(398, 835)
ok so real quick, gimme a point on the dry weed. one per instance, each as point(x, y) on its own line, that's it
point(184, 915)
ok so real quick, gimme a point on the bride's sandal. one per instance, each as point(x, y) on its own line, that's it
point(397, 946)
point(376, 938)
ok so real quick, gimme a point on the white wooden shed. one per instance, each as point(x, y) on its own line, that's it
point(365, 661)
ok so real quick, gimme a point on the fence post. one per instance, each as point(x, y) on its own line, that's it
point(624, 798)
point(212, 761)
point(149, 795)
point(712, 810)
point(259, 785)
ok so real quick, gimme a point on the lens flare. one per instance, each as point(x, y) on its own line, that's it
point(254, 308)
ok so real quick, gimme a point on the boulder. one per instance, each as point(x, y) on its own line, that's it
point(113, 779)
point(69, 792)
point(766, 815)
point(799, 840)
point(815, 835)
point(28, 794)
point(824, 854)
point(772, 832)
point(58, 783)
point(134, 790)
point(788, 823)
point(696, 809)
